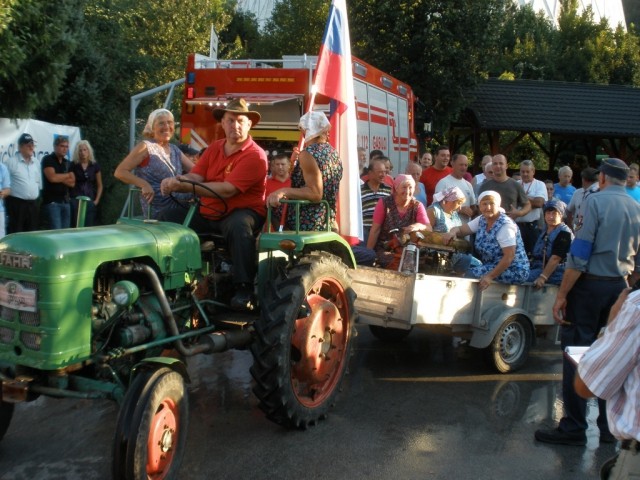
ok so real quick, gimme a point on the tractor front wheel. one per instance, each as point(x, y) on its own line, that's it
point(152, 427)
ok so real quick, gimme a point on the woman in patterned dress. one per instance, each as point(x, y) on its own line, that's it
point(401, 211)
point(316, 176)
point(498, 244)
point(153, 160)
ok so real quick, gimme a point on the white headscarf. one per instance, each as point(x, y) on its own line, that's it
point(314, 124)
point(450, 194)
point(493, 194)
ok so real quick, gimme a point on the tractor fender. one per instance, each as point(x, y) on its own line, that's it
point(153, 363)
point(491, 320)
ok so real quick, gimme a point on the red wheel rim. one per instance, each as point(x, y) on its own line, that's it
point(163, 436)
point(319, 343)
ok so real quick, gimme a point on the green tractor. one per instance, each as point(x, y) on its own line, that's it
point(115, 312)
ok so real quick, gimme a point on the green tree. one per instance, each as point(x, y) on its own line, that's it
point(526, 45)
point(242, 36)
point(295, 28)
point(576, 42)
point(37, 39)
point(442, 49)
point(616, 58)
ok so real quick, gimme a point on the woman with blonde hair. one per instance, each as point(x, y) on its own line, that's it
point(88, 181)
point(153, 160)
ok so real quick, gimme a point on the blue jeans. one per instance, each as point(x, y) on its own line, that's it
point(58, 215)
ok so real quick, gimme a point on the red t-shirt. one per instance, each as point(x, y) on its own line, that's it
point(245, 169)
point(430, 178)
point(274, 184)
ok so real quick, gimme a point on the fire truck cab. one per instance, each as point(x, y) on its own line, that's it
point(280, 90)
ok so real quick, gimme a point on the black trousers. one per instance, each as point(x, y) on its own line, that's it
point(24, 215)
point(530, 233)
point(239, 229)
point(588, 305)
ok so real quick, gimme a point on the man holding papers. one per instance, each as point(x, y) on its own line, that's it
point(610, 369)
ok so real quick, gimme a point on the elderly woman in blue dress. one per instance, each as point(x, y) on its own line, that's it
point(498, 245)
point(550, 251)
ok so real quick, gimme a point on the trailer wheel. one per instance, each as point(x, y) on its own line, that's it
point(6, 414)
point(152, 427)
point(304, 341)
point(390, 335)
point(510, 347)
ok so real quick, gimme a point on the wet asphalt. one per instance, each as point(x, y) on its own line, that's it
point(418, 409)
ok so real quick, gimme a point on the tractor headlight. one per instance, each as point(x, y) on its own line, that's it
point(125, 293)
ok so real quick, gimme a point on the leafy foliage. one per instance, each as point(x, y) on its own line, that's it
point(442, 49)
point(295, 28)
point(78, 62)
point(36, 43)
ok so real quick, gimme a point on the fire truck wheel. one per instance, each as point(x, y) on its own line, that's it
point(152, 427)
point(6, 413)
point(304, 340)
point(509, 349)
point(389, 335)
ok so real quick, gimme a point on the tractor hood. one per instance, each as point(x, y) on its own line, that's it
point(173, 248)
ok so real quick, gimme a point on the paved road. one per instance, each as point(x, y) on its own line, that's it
point(414, 410)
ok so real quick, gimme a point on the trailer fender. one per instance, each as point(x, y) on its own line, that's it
point(490, 322)
point(153, 363)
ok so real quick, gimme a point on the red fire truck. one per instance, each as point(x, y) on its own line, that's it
point(280, 91)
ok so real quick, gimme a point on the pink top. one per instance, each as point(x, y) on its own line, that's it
point(379, 214)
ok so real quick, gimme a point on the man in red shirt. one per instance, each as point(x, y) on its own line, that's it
point(280, 168)
point(235, 168)
point(436, 172)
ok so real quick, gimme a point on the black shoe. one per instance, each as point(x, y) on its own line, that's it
point(558, 437)
point(243, 299)
point(607, 437)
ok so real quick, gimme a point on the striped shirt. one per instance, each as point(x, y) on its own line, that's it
point(611, 370)
point(370, 200)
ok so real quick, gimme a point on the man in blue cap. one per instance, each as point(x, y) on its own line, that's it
point(602, 259)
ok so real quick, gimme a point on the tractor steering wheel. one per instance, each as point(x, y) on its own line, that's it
point(211, 211)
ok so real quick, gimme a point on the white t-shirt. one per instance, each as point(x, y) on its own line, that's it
point(535, 189)
point(451, 181)
point(506, 236)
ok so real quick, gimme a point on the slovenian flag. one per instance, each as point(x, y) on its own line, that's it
point(334, 79)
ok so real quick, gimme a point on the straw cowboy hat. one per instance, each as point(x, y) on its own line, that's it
point(237, 105)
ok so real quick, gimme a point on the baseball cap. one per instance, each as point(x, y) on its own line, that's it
point(557, 205)
point(24, 139)
point(614, 167)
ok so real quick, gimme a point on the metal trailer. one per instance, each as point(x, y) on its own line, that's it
point(504, 320)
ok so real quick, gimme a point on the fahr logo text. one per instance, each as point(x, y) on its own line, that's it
point(15, 260)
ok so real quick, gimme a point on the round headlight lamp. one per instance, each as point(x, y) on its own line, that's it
point(124, 293)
